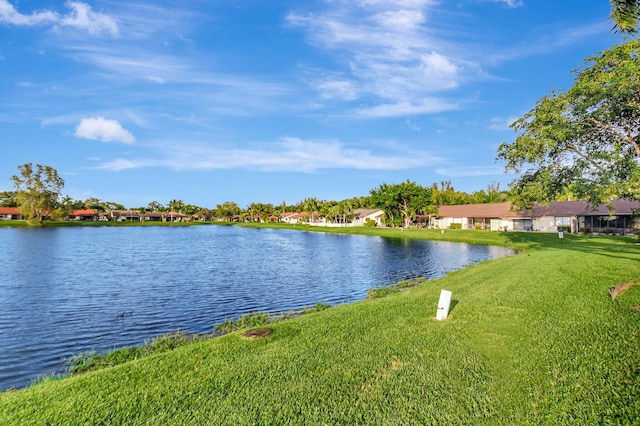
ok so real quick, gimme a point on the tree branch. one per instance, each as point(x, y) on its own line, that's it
point(617, 132)
point(585, 157)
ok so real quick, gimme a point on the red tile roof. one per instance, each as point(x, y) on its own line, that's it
point(89, 212)
point(9, 210)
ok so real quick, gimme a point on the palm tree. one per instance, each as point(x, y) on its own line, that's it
point(625, 15)
point(175, 206)
point(311, 205)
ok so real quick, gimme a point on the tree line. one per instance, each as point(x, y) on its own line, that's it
point(38, 195)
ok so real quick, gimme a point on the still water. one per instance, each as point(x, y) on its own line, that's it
point(65, 291)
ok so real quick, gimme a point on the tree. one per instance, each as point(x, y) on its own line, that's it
point(401, 202)
point(8, 199)
point(227, 210)
point(586, 139)
point(311, 205)
point(260, 211)
point(176, 205)
point(154, 206)
point(625, 15)
point(37, 191)
point(66, 205)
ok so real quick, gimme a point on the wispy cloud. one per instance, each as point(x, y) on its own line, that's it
point(105, 130)
point(391, 56)
point(80, 16)
point(550, 41)
point(501, 124)
point(509, 3)
point(287, 154)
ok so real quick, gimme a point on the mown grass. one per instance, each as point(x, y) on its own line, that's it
point(532, 339)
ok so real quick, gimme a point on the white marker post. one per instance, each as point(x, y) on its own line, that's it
point(443, 305)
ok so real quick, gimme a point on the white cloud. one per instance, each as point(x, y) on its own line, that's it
point(105, 130)
point(400, 20)
point(287, 154)
point(402, 109)
point(9, 15)
point(81, 16)
point(121, 164)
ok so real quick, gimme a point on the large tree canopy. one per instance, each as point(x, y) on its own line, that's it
point(587, 139)
point(37, 191)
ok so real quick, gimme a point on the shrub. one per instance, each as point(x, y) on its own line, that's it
point(455, 226)
point(586, 231)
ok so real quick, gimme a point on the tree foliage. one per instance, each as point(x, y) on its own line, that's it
point(625, 15)
point(8, 199)
point(586, 139)
point(227, 210)
point(401, 202)
point(37, 191)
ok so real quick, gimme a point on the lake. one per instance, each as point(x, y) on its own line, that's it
point(66, 291)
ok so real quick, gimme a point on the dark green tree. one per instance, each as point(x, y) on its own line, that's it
point(401, 202)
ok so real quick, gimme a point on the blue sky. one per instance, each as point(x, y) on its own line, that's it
point(268, 101)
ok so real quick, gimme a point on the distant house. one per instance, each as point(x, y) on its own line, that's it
point(151, 217)
point(89, 215)
point(621, 216)
point(294, 218)
point(175, 217)
point(362, 216)
point(498, 216)
point(124, 216)
point(10, 213)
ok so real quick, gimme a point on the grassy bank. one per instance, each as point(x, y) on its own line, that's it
point(534, 338)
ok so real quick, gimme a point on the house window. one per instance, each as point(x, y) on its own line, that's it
point(523, 224)
point(563, 223)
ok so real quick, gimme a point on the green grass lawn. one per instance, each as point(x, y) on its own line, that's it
point(532, 339)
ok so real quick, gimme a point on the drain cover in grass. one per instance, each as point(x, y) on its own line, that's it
point(257, 333)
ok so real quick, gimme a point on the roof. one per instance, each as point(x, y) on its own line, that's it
point(360, 213)
point(554, 208)
point(9, 210)
point(89, 212)
point(496, 210)
point(298, 215)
